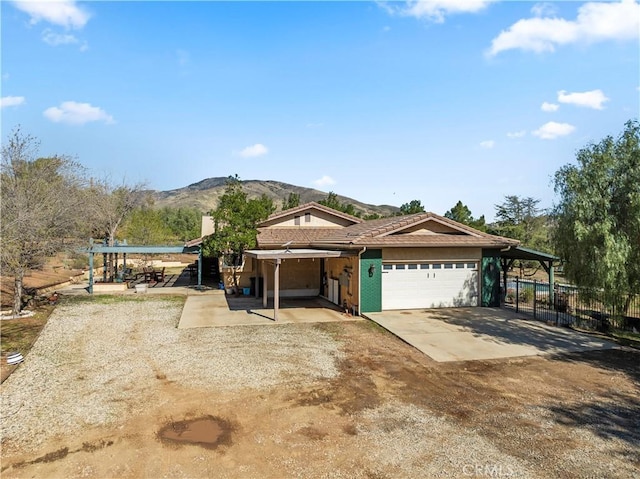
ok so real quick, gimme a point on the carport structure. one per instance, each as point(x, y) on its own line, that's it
point(126, 249)
point(546, 260)
point(275, 257)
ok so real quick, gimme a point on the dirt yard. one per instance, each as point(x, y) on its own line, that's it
point(113, 389)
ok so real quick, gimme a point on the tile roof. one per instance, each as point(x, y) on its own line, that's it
point(384, 232)
point(268, 237)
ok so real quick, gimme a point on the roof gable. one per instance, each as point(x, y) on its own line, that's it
point(420, 229)
point(434, 224)
point(312, 215)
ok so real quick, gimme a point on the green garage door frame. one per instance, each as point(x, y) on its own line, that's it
point(371, 281)
point(490, 274)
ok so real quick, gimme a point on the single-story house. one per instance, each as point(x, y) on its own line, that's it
point(413, 261)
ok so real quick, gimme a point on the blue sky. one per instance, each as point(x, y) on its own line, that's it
point(384, 102)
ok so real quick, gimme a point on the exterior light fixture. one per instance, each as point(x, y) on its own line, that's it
point(372, 270)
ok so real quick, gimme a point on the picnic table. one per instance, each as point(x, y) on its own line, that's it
point(152, 275)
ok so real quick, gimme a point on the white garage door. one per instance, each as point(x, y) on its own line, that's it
point(429, 285)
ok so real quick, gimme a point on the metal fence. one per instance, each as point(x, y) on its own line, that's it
point(567, 305)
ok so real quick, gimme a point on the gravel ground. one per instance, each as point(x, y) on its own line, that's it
point(338, 400)
point(94, 364)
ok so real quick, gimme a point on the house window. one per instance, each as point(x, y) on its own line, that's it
point(424, 266)
point(448, 266)
point(387, 267)
point(399, 266)
point(471, 265)
point(296, 220)
point(437, 266)
point(412, 266)
point(459, 265)
point(307, 217)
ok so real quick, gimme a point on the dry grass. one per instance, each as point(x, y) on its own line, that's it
point(19, 335)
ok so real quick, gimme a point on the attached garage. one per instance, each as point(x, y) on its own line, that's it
point(414, 261)
point(429, 285)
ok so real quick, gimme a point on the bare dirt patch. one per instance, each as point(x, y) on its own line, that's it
point(208, 432)
point(327, 400)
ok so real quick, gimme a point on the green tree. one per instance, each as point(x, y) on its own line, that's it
point(414, 206)
point(597, 218)
point(292, 201)
point(43, 208)
point(521, 219)
point(333, 202)
point(235, 221)
point(462, 214)
point(183, 224)
point(144, 226)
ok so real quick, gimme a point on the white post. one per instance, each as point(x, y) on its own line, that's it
point(264, 286)
point(276, 289)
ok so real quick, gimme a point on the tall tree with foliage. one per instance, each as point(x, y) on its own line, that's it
point(597, 218)
point(144, 226)
point(414, 206)
point(333, 202)
point(235, 225)
point(462, 214)
point(521, 218)
point(42, 207)
point(292, 201)
point(183, 224)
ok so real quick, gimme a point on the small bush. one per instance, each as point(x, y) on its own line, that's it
point(525, 295)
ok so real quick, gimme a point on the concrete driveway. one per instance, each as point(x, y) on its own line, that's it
point(214, 308)
point(462, 334)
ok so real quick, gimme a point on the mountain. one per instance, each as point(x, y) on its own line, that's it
point(205, 195)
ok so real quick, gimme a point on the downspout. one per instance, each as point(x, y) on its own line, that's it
point(364, 248)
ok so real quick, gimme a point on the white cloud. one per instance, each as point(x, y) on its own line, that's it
point(324, 181)
point(544, 9)
point(546, 106)
point(516, 134)
point(64, 13)
point(595, 22)
point(488, 144)
point(75, 113)
point(254, 150)
point(6, 101)
point(436, 10)
point(55, 39)
point(553, 130)
point(590, 99)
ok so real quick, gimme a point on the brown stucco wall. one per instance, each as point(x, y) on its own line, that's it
point(334, 267)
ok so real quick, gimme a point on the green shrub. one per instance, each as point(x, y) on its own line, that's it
point(525, 295)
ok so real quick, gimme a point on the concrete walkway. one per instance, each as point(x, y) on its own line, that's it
point(463, 334)
point(215, 309)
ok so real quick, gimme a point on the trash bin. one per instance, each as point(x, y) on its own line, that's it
point(246, 291)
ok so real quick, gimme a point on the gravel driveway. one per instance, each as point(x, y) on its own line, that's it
point(331, 400)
